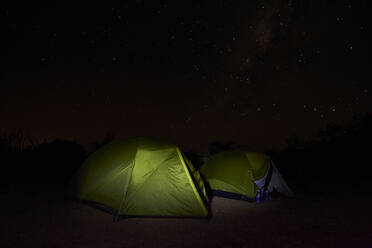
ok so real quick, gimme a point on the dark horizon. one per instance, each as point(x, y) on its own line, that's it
point(331, 134)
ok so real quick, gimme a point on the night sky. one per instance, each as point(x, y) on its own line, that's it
point(189, 72)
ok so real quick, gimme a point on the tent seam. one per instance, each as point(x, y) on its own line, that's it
point(196, 193)
point(151, 175)
point(128, 185)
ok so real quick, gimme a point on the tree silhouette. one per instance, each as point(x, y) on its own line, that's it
point(219, 146)
point(337, 156)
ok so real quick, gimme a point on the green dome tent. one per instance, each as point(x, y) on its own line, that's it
point(141, 177)
point(243, 175)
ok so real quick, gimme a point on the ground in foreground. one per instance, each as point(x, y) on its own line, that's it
point(45, 219)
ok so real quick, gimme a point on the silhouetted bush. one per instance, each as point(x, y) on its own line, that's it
point(26, 164)
point(3, 146)
point(58, 160)
point(337, 156)
point(219, 146)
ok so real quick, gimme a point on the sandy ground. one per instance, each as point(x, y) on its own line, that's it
point(48, 220)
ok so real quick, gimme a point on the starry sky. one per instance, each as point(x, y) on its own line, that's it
point(189, 72)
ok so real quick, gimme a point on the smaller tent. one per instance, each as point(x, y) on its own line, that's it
point(243, 175)
point(141, 177)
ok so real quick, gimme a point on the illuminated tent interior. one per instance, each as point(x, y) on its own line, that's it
point(243, 175)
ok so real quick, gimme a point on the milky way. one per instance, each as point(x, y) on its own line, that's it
point(190, 72)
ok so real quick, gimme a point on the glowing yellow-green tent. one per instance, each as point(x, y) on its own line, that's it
point(141, 177)
point(243, 175)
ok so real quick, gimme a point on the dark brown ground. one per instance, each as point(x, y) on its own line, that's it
point(46, 220)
